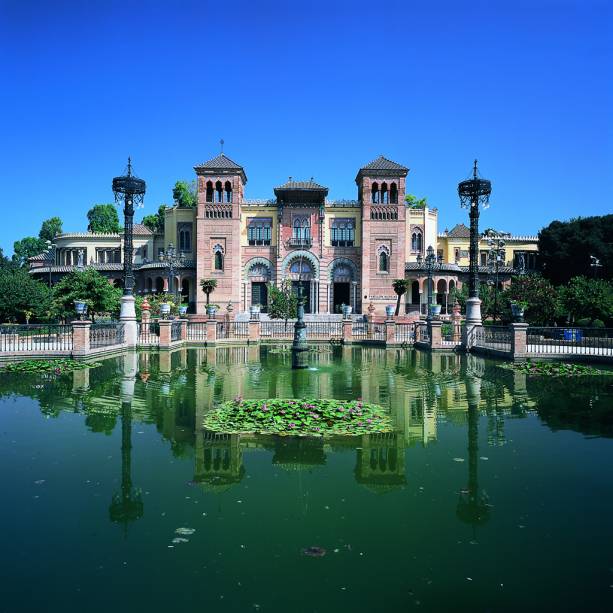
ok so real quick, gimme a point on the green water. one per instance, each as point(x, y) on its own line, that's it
point(494, 494)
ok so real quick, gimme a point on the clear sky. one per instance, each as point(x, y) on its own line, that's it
point(307, 89)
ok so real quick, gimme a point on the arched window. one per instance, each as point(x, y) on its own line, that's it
point(416, 242)
point(185, 240)
point(228, 191)
point(301, 267)
point(384, 259)
point(218, 192)
point(209, 191)
point(302, 229)
point(393, 194)
point(218, 256)
point(384, 194)
point(375, 193)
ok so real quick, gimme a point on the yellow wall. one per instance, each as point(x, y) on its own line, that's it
point(448, 245)
point(173, 217)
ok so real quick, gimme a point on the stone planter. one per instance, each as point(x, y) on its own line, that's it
point(182, 310)
point(435, 310)
point(347, 311)
point(254, 311)
point(389, 311)
point(164, 309)
point(517, 310)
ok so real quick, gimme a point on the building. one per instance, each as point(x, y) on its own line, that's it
point(339, 252)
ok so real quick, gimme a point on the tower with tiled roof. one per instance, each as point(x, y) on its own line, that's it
point(221, 186)
point(381, 192)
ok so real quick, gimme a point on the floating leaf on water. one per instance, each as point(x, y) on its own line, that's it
point(185, 531)
point(179, 539)
point(314, 552)
point(458, 459)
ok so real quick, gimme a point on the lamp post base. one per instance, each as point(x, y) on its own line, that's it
point(127, 316)
point(473, 312)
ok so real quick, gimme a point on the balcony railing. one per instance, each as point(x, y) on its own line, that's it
point(300, 242)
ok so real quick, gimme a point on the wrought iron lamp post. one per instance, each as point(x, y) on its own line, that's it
point(431, 263)
point(50, 252)
point(131, 190)
point(172, 261)
point(495, 256)
point(474, 193)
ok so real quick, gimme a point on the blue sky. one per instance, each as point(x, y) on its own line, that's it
point(307, 89)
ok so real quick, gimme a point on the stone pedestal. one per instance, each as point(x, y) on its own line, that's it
point(165, 334)
point(347, 331)
point(211, 331)
point(473, 312)
point(127, 316)
point(80, 337)
point(183, 333)
point(435, 334)
point(254, 331)
point(390, 332)
point(518, 340)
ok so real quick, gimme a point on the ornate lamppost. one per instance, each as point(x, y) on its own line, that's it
point(474, 193)
point(172, 261)
point(431, 263)
point(51, 247)
point(131, 190)
point(495, 256)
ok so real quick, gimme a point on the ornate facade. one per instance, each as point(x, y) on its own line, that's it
point(338, 252)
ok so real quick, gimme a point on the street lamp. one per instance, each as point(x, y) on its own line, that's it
point(496, 255)
point(50, 252)
point(172, 261)
point(474, 193)
point(131, 190)
point(595, 264)
point(431, 263)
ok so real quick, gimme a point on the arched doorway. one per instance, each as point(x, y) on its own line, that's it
point(149, 285)
point(258, 277)
point(441, 294)
point(415, 295)
point(343, 285)
point(302, 272)
point(159, 285)
point(185, 291)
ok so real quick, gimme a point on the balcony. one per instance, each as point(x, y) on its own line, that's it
point(299, 242)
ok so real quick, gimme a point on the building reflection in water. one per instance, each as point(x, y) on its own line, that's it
point(422, 391)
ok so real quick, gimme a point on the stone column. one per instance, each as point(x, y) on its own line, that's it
point(518, 340)
point(211, 331)
point(347, 331)
point(254, 331)
point(456, 319)
point(80, 337)
point(183, 334)
point(434, 331)
point(165, 325)
point(390, 332)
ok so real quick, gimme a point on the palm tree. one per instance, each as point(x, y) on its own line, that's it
point(400, 287)
point(208, 285)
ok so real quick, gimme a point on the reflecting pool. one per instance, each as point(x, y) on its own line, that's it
point(494, 493)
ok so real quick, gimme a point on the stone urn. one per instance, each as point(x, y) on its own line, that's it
point(389, 311)
point(517, 310)
point(229, 307)
point(435, 310)
point(347, 309)
point(182, 310)
point(164, 309)
point(371, 309)
point(211, 309)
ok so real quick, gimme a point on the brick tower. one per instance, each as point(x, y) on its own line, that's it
point(221, 184)
point(381, 191)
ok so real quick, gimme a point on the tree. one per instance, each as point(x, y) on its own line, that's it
point(50, 228)
point(185, 194)
point(5, 262)
point(400, 287)
point(587, 298)
point(103, 219)
point(21, 294)
point(414, 202)
point(26, 248)
point(486, 295)
point(155, 222)
point(208, 286)
point(283, 302)
point(90, 286)
point(540, 295)
point(565, 248)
